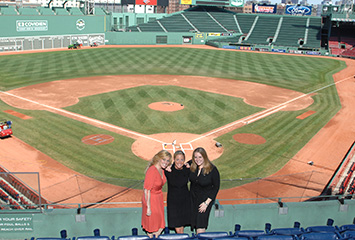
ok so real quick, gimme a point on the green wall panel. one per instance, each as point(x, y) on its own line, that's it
point(18, 26)
point(119, 221)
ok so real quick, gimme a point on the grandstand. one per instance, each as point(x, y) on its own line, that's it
point(292, 31)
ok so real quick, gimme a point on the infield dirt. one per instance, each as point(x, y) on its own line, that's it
point(60, 184)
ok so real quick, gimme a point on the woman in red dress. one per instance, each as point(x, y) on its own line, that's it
point(153, 220)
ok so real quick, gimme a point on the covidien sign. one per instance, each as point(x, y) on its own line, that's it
point(31, 25)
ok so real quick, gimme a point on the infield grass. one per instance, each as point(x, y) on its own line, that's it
point(128, 108)
point(60, 137)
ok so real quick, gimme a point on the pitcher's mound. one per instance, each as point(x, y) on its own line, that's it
point(166, 106)
point(249, 138)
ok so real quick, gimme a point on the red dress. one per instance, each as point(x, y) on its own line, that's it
point(153, 182)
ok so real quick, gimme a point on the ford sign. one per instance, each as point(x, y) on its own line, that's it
point(298, 10)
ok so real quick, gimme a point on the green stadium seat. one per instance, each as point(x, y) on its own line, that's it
point(75, 11)
point(61, 11)
point(28, 11)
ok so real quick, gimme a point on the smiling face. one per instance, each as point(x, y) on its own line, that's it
point(164, 162)
point(199, 160)
point(179, 161)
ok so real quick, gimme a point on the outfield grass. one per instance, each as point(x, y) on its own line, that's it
point(59, 137)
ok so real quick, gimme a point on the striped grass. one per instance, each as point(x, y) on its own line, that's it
point(128, 108)
point(60, 137)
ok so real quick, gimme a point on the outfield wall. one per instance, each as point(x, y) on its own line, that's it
point(152, 38)
point(120, 221)
point(42, 32)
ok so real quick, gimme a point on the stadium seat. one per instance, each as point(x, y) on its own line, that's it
point(177, 236)
point(322, 229)
point(275, 237)
point(319, 236)
point(93, 238)
point(232, 238)
point(348, 234)
point(347, 227)
point(135, 237)
point(212, 235)
point(250, 233)
point(287, 231)
point(51, 238)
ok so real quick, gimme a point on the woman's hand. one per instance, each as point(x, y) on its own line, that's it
point(149, 212)
point(168, 168)
point(203, 207)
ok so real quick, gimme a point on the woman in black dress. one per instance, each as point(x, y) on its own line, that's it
point(179, 201)
point(205, 182)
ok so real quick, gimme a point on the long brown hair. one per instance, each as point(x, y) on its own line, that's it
point(160, 155)
point(207, 165)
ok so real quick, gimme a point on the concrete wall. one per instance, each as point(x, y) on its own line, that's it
point(119, 221)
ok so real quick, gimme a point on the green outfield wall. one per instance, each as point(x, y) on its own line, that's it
point(22, 26)
point(135, 38)
point(44, 32)
point(150, 38)
point(119, 221)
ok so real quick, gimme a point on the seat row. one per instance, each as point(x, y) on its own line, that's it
point(321, 232)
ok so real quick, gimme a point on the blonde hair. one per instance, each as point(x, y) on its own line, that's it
point(157, 157)
point(207, 165)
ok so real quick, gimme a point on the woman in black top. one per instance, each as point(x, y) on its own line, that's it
point(205, 182)
point(179, 201)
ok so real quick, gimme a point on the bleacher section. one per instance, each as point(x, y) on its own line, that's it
point(203, 22)
point(61, 11)
point(45, 11)
point(100, 12)
point(8, 11)
point(314, 33)
point(256, 29)
point(75, 11)
point(176, 23)
point(265, 28)
point(151, 27)
point(245, 21)
point(291, 30)
point(228, 20)
point(28, 11)
point(327, 231)
point(14, 194)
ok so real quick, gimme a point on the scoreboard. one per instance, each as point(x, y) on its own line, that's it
point(220, 3)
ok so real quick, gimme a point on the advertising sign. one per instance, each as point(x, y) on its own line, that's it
point(146, 2)
point(31, 25)
point(264, 8)
point(236, 3)
point(298, 10)
point(189, 2)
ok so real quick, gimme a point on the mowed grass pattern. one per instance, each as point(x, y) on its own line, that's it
point(128, 108)
point(60, 137)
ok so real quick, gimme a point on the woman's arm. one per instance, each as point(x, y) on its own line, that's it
point(147, 200)
point(213, 191)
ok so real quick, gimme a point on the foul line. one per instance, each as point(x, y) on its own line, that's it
point(83, 117)
point(266, 112)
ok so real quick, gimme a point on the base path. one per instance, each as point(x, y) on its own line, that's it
point(60, 184)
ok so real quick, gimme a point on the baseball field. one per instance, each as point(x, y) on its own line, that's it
point(262, 108)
